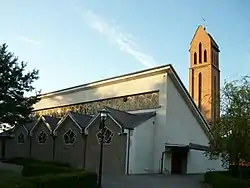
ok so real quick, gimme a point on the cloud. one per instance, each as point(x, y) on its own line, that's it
point(124, 41)
point(29, 40)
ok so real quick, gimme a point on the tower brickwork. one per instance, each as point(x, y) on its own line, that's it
point(204, 74)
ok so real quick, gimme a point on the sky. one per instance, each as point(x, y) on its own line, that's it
point(73, 42)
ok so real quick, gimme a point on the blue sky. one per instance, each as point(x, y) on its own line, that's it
point(74, 42)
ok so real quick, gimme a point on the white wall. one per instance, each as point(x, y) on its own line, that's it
point(182, 126)
point(160, 128)
point(198, 163)
point(127, 87)
point(141, 149)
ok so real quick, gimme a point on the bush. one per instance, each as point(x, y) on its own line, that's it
point(21, 161)
point(78, 179)
point(24, 161)
point(41, 169)
point(245, 171)
point(225, 180)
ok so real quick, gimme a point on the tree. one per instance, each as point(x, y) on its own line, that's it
point(15, 82)
point(231, 131)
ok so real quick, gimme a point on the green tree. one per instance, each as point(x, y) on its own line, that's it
point(231, 131)
point(15, 83)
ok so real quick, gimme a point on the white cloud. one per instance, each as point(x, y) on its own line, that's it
point(124, 41)
point(29, 40)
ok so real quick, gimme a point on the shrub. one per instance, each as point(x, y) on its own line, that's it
point(21, 161)
point(78, 179)
point(41, 169)
point(225, 180)
point(245, 171)
point(24, 161)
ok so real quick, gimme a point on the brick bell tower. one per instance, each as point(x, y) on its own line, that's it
point(204, 74)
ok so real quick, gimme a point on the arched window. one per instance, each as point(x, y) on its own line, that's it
point(195, 58)
point(199, 89)
point(205, 55)
point(200, 53)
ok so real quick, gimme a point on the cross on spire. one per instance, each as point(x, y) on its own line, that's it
point(204, 25)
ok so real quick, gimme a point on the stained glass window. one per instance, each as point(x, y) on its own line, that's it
point(42, 137)
point(69, 137)
point(107, 135)
point(21, 138)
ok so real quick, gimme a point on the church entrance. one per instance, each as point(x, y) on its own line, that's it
point(179, 162)
point(178, 158)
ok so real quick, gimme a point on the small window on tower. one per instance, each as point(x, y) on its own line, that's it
point(200, 53)
point(199, 90)
point(205, 55)
point(195, 58)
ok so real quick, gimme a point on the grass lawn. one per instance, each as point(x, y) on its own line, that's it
point(7, 175)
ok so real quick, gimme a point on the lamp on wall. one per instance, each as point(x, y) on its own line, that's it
point(103, 115)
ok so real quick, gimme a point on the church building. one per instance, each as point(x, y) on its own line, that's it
point(154, 124)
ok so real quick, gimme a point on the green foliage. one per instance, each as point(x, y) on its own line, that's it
point(15, 80)
point(236, 170)
point(225, 180)
point(27, 161)
point(41, 169)
point(79, 179)
point(231, 131)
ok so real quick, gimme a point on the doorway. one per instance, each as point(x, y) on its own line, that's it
point(179, 162)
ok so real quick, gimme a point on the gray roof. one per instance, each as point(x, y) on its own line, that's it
point(30, 125)
point(6, 133)
point(81, 119)
point(128, 120)
point(52, 121)
point(213, 42)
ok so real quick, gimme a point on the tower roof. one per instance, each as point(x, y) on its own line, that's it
point(214, 44)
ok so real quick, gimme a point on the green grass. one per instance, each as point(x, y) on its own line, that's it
point(6, 175)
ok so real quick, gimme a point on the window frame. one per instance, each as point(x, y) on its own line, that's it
point(200, 53)
point(63, 137)
point(112, 136)
point(23, 138)
point(195, 58)
point(205, 55)
point(47, 137)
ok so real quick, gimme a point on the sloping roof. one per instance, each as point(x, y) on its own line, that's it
point(214, 44)
point(52, 121)
point(128, 120)
point(107, 80)
point(30, 125)
point(6, 133)
point(81, 119)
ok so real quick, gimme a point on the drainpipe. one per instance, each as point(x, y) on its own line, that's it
point(162, 161)
point(128, 151)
